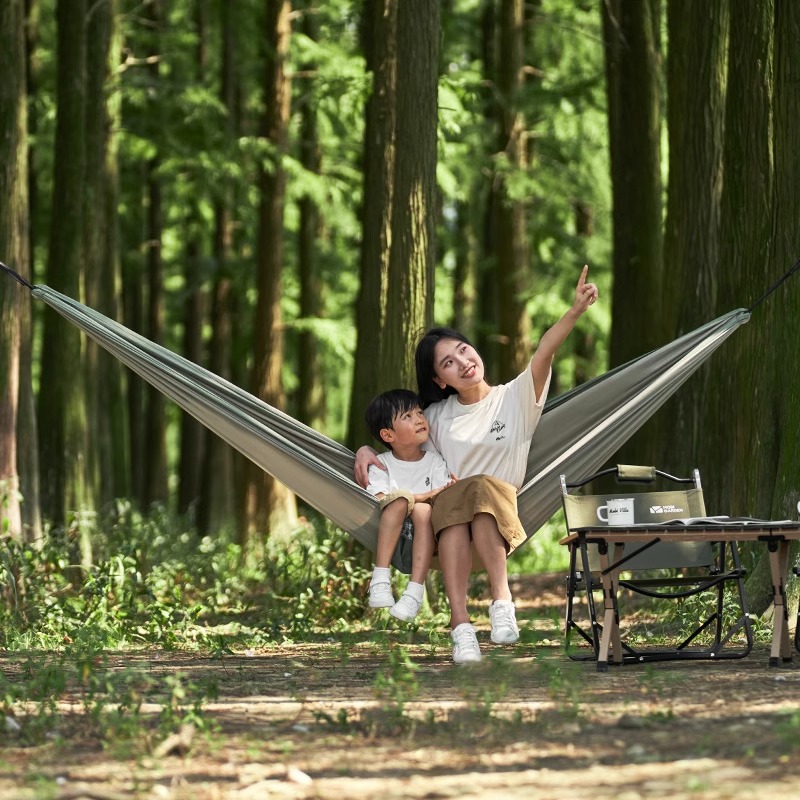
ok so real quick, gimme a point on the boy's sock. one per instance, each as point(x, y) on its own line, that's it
point(381, 575)
point(416, 590)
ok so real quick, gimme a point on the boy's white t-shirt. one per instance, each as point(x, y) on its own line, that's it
point(417, 477)
point(493, 436)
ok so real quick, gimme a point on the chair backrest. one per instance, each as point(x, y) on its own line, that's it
point(582, 511)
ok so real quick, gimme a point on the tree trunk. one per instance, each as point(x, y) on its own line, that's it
point(698, 33)
point(155, 488)
point(270, 507)
point(216, 507)
point(487, 310)
point(310, 394)
point(413, 247)
point(512, 273)
point(28, 440)
point(192, 434)
point(380, 49)
point(783, 308)
point(107, 457)
point(736, 413)
point(634, 119)
point(14, 248)
point(192, 437)
point(61, 413)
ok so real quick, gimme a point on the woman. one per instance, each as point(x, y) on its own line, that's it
point(484, 433)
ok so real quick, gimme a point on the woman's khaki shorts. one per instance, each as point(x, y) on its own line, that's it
point(481, 494)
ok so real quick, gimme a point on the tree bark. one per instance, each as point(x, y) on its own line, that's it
point(310, 394)
point(412, 257)
point(698, 33)
point(216, 507)
point(155, 489)
point(784, 306)
point(380, 49)
point(14, 247)
point(107, 457)
point(510, 213)
point(28, 440)
point(270, 507)
point(61, 413)
point(633, 63)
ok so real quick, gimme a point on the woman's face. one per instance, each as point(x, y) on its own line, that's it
point(457, 364)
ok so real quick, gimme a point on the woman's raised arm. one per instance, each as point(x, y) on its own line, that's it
point(585, 295)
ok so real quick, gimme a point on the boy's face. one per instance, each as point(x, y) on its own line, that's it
point(408, 428)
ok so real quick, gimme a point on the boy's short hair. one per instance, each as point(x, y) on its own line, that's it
point(382, 410)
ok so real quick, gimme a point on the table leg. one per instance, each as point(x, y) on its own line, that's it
point(610, 639)
point(778, 565)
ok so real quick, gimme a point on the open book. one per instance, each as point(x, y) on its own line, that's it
point(725, 520)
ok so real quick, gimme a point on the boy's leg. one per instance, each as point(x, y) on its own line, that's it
point(389, 528)
point(391, 522)
point(423, 544)
point(408, 606)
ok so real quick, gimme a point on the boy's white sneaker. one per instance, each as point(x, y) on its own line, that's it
point(380, 595)
point(502, 615)
point(406, 608)
point(465, 644)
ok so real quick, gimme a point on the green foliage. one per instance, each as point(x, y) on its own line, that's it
point(542, 552)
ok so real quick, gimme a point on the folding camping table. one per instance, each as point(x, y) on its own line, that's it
point(610, 541)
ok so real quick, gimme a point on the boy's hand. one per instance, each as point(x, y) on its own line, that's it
point(421, 498)
point(366, 458)
point(585, 293)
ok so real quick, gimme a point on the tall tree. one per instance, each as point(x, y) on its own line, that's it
point(633, 79)
point(698, 35)
point(742, 484)
point(510, 212)
point(310, 400)
point(412, 256)
point(154, 487)
point(192, 435)
point(107, 457)
point(14, 246)
point(379, 42)
point(27, 438)
point(61, 412)
point(783, 309)
point(216, 506)
point(269, 504)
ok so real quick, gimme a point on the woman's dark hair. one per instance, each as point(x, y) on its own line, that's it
point(382, 410)
point(425, 357)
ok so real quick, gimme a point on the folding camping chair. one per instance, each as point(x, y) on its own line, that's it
point(656, 569)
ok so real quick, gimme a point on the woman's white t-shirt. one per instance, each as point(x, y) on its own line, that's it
point(493, 436)
point(417, 477)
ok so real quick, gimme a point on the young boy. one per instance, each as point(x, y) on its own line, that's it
point(412, 477)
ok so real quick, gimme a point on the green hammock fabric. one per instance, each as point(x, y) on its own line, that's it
point(579, 430)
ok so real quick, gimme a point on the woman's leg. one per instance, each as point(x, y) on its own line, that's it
point(492, 549)
point(455, 558)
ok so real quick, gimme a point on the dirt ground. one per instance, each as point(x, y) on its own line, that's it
point(354, 718)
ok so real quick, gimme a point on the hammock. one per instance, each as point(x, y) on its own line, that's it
point(578, 431)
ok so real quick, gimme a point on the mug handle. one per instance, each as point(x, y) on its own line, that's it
point(600, 516)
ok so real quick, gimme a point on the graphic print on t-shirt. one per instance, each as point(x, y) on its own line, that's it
point(496, 428)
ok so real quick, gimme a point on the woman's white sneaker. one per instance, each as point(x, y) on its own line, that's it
point(503, 617)
point(465, 644)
